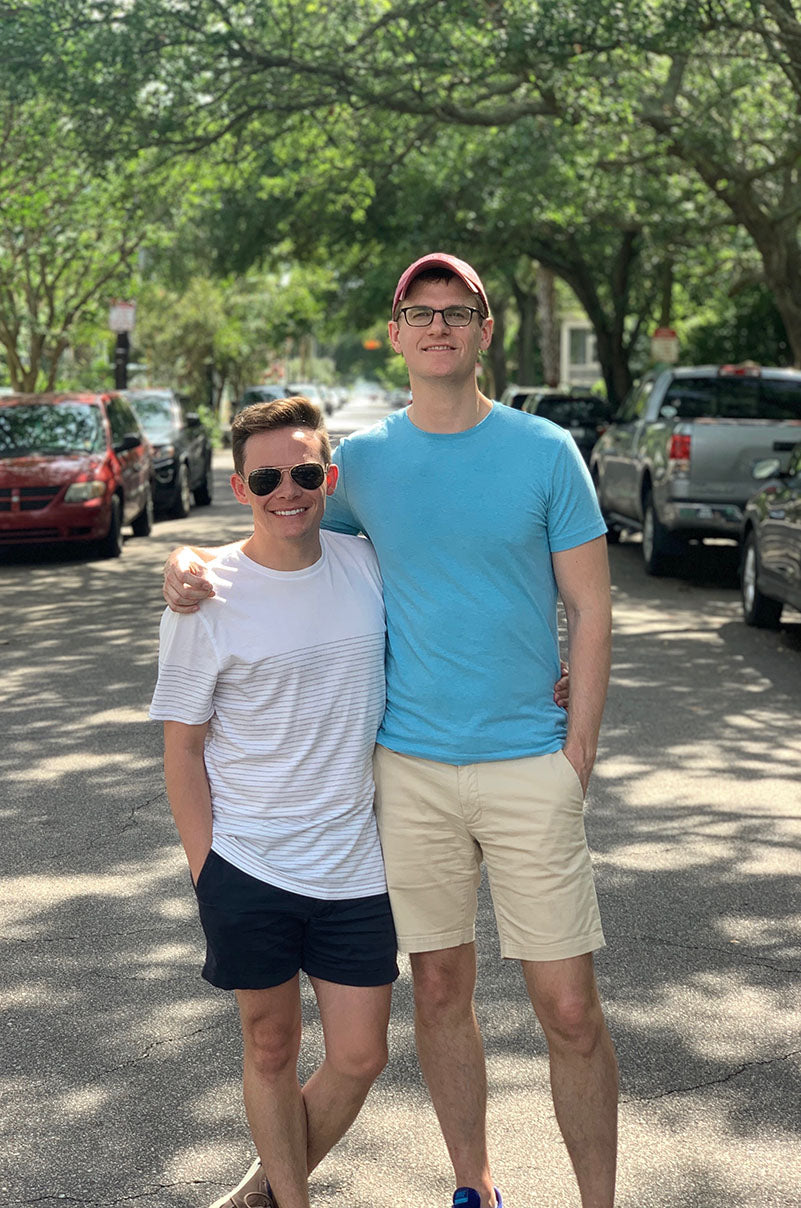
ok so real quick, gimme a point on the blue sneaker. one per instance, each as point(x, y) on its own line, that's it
point(467, 1197)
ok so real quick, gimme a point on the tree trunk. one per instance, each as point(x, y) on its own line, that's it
point(526, 335)
point(614, 347)
point(496, 356)
point(549, 326)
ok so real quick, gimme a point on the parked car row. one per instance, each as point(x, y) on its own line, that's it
point(327, 398)
point(77, 467)
point(682, 460)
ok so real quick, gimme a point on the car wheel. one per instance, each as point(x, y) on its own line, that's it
point(660, 549)
point(202, 493)
point(758, 610)
point(142, 524)
point(182, 500)
point(110, 546)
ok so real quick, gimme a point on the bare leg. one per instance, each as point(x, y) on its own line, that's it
point(451, 1057)
point(355, 1020)
point(294, 1129)
point(583, 1070)
point(273, 1101)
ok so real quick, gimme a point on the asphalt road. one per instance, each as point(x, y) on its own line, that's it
point(120, 1066)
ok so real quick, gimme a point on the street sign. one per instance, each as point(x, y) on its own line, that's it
point(665, 346)
point(121, 316)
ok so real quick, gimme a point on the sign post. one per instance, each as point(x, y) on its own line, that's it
point(121, 318)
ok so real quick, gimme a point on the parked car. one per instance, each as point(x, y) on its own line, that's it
point(313, 392)
point(73, 467)
point(259, 394)
point(586, 416)
point(522, 398)
point(676, 461)
point(181, 451)
point(255, 394)
point(770, 566)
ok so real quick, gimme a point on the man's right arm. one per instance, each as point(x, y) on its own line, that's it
point(186, 581)
point(188, 790)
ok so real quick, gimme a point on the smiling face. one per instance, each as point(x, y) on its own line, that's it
point(438, 351)
point(286, 523)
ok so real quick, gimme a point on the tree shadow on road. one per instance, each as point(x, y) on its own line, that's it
point(123, 1067)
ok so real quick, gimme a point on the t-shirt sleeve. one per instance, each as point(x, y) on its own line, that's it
point(573, 513)
point(339, 515)
point(187, 671)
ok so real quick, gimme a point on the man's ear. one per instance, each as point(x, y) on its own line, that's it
point(393, 330)
point(331, 479)
point(486, 334)
point(238, 488)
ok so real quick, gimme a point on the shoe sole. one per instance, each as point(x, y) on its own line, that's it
point(225, 1201)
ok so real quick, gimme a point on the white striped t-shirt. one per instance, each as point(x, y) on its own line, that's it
point(288, 669)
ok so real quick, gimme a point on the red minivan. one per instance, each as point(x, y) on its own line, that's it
point(73, 467)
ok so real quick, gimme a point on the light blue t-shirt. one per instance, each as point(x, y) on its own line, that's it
point(464, 526)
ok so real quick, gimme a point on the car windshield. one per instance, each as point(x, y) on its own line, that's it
point(50, 428)
point(566, 411)
point(724, 397)
point(155, 412)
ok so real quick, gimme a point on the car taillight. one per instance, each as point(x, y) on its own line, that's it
point(747, 369)
point(679, 448)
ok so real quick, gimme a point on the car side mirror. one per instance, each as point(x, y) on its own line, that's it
point(193, 420)
point(131, 440)
point(768, 467)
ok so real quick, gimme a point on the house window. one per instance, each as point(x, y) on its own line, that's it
point(583, 346)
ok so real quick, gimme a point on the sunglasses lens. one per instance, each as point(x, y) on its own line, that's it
point(265, 480)
point(309, 476)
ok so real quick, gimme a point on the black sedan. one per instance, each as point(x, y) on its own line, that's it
point(181, 451)
point(770, 570)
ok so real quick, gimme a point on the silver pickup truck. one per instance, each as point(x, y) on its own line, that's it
point(676, 461)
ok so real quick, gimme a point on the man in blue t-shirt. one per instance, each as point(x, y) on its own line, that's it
point(481, 516)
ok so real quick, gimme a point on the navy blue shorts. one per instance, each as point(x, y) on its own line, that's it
point(258, 936)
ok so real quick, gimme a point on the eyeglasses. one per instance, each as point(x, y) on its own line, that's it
point(309, 475)
point(453, 316)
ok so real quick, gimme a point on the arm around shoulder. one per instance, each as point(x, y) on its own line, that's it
point(186, 580)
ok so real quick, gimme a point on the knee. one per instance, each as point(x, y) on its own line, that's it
point(360, 1062)
point(271, 1051)
point(574, 1021)
point(441, 993)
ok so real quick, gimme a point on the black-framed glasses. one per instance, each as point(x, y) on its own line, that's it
point(453, 316)
point(308, 474)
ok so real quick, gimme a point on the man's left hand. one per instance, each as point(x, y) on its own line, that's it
point(561, 689)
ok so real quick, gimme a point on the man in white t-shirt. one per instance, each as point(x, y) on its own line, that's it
point(271, 694)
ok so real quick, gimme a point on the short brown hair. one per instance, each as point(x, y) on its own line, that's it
point(294, 412)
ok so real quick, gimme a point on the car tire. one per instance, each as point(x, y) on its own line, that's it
point(182, 500)
point(202, 493)
point(142, 524)
point(110, 546)
point(758, 610)
point(660, 549)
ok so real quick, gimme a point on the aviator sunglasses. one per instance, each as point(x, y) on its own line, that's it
point(309, 475)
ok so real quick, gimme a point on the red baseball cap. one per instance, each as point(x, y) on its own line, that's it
point(461, 268)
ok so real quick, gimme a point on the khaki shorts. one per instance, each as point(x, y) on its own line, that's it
point(523, 817)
